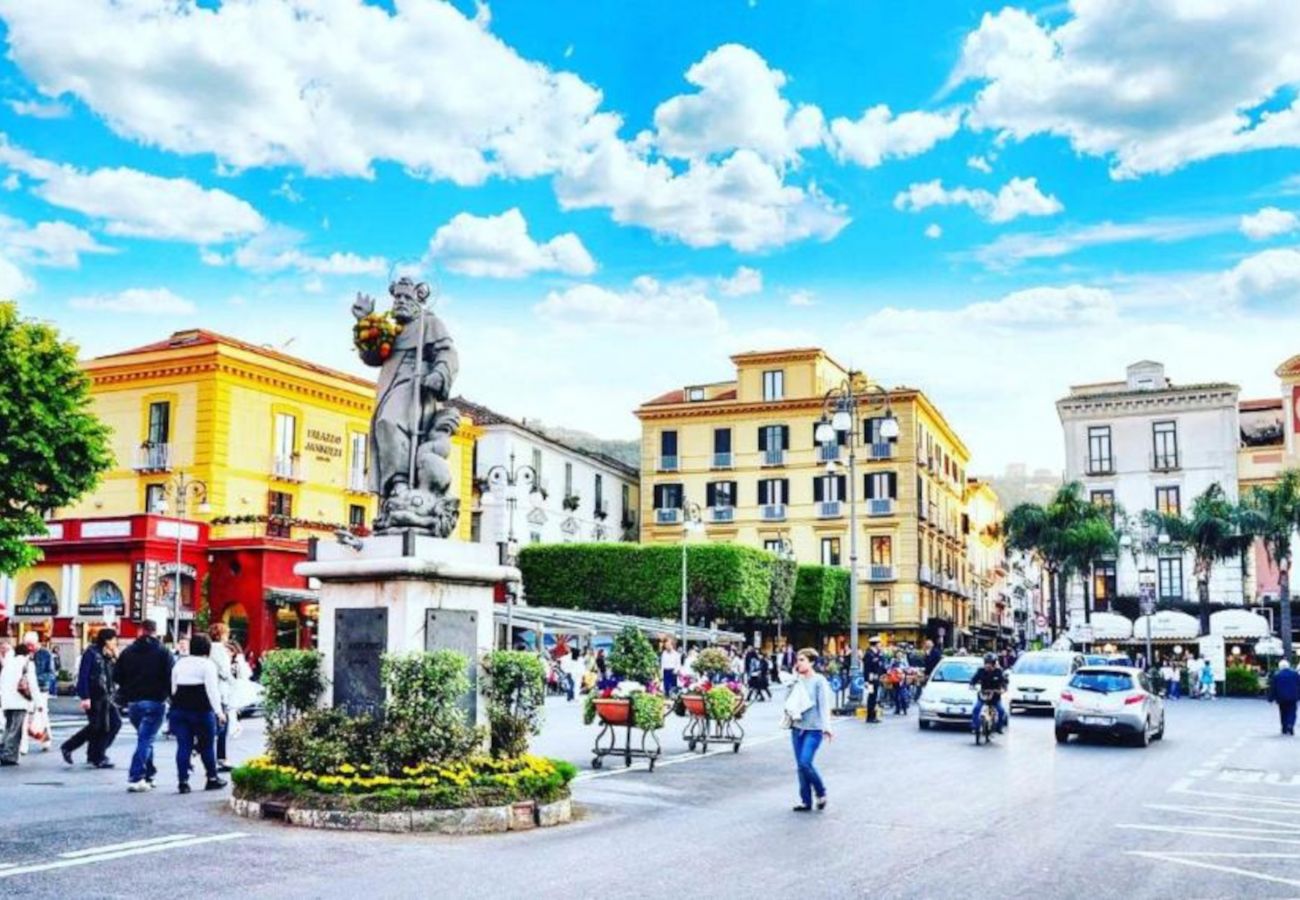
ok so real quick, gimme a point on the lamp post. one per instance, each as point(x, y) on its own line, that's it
point(508, 478)
point(1146, 577)
point(784, 550)
point(691, 521)
point(180, 488)
point(840, 414)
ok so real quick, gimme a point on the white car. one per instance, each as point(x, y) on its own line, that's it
point(1037, 678)
point(948, 698)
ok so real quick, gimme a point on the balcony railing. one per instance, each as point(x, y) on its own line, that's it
point(153, 458)
point(667, 516)
point(774, 512)
point(668, 464)
point(880, 450)
point(926, 575)
point(880, 573)
point(828, 452)
point(1165, 462)
point(286, 468)
point(1101, 466)
point(722, 460)
point(723, 513)
point(774, 457)
point(880, 507)
point(830, 509)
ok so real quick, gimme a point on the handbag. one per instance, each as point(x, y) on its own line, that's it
point(25, 686)
point(796, 704)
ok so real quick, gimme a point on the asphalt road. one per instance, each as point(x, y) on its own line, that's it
point(1212, 811)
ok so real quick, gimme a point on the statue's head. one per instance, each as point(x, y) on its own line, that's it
point(408, 298)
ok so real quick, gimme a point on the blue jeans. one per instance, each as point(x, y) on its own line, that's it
point(1174, 688)
point(806, 743)
point(670, 681)
point(979, 707)
point(194, 730)
point(147, 717)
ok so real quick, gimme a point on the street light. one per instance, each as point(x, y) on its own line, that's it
point(180, 488)
point(785, 551)
point(508, 478)
point(692, 521)
point(840, 414)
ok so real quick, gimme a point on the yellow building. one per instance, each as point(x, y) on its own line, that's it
point(279, 445)
point(990, 618)
point(744, 452)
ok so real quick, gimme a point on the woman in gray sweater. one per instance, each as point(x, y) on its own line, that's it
point(809, 707)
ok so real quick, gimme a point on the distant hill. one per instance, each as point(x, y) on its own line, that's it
point(1016, 485)
point(627, 452)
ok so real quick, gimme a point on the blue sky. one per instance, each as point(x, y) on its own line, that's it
point(987, 201)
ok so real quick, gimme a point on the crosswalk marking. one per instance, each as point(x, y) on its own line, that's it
point(9, 870)
point(128, 845)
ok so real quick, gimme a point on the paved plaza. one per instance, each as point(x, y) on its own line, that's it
point(1208, 812)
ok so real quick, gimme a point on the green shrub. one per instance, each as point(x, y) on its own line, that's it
point(423, 718)
point(720, 703)
point(324, 740)
point(515, 685)
point(820, 596)
point(784, 574)
point(292, 683)
point(633, 658)
point(648, 711)
point(712, 662)
point(1241, 681)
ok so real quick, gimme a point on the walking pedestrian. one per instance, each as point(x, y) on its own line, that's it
point(670, 663)
point(220, 654)
point(1284, 690)
point(808, 708)
point(95, 688)
point(144, 677)
point(37, 727)
point(873, 669)
point(933, 656)
point(571, 670)
point(1207, 679)
point(17, 687)
point(196, 713)
point(47, 670)
point(1169, 675)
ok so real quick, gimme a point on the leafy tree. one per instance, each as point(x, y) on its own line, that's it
point(1272, 513)
point(784, 573)
point(1087, 541)
point(632, 658)
point(52, 448)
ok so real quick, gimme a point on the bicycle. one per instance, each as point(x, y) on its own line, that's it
point(988, 721)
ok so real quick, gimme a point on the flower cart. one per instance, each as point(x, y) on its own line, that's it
point(714, 714)
point(619, 716)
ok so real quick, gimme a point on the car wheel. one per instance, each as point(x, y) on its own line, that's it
point(1062, 736)
point(1144, 736)
point(923, 724)
point(1160, 735)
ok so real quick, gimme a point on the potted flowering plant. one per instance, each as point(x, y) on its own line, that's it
point(629, 701)
point(717, 702)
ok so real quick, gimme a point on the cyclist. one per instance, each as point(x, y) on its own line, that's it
point(989, 678)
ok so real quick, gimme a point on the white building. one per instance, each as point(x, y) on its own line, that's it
point(583, 497)
point(1147, 443)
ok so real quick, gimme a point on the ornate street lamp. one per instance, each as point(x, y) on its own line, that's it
point(181, 489)
point(840, 414)
point(507, 479)
point(784, 550)
point(692, 521)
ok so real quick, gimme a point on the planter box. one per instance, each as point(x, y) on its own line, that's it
point(614, 711)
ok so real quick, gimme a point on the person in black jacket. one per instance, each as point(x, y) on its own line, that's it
point(873, 670)
point(144, 677)
point(1284, 690)
point(95, 688)
point(933, 656)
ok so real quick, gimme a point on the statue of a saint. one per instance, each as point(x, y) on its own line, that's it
point(410, 435)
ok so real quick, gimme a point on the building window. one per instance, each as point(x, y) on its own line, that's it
point(599, 493)
point(1105, 500)
point(880, 599)
point(1100, 459)
point(160, 415)
point(881, 486)
point(154, 496)
point(626, 497)
point(774, 438)
point(534, 537)
point(279, 511)
point(1168, 502)
point(882, 550)
point(1103, 585)
point(286, 442)
point(476, 527)
point(668, 451)
point(720, 494)
point(1164, 445)
point(537, 464)
point(356, 516)
point(830, 551)
point(1170, 577)
point(722, 448)
point(695, 394)
point(773, 491)
point(772, 545)
point(568, 479)
point(668, 496)
point(871, 430)
point(774, 385)
point(357, 466)
point(829, 488)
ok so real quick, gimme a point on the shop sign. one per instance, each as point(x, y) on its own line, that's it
point(144, 587)
point(103, 595)
point(325, 446)
point(39, 602)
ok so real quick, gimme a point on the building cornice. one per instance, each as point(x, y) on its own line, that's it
point(1138, 403)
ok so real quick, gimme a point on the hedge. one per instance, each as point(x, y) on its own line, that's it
point(820, 596)
point(724, 581)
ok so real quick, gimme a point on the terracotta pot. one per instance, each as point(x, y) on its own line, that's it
point(694, 704)
point(614, 711)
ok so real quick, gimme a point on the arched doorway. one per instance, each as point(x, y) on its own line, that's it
point(236, 618)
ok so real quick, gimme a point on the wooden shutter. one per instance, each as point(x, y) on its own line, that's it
point(785, 490)
point(710, 494)
point(869, 487)
point(893, 485)
point(659, 496)
point(843, 484)
point(819, 490)
point(762, 493)
point(785, 437)
point(762, 440)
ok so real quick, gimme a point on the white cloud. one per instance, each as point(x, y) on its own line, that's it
point(136, 301)
point(879, 135)
point(744, 281)
point(499, 247)
point(132, 203)
point(329, 86)
point(287, 190)
point(38, 110)
point(278, 249)
point(979, 163)
point(1018, 197)
point(801, 298)
point(13, 282)
point(739, 105)
point(1268, 278)
point(1116, 79)
point(47, 243)
point(11, 182)
point(1268, 222)
point(933, 231)
point(646, 305)
point(1026, 309)
point(1010, 249)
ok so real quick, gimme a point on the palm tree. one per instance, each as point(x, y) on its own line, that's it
point(1272, 514)
point(1214, 533)
point(1044, 532)
point(1087, 541)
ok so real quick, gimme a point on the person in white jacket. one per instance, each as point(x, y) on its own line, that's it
point(219, 634)
point(38, 720)
point(196, 712)
point(18, 669)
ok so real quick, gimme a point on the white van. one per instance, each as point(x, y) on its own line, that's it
point(1036, 679)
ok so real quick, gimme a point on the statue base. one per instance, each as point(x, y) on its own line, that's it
point(398, 594)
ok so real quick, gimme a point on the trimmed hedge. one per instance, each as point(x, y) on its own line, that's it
point(723, 581)
point(821, 596)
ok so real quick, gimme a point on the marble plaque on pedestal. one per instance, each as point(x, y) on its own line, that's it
point(360, 639)
point(456, 629)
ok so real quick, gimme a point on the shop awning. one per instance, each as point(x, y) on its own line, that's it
point(572, 621)
point(1168, 624)
point(1238, 624)
point(1104, 626)
point(290, 596)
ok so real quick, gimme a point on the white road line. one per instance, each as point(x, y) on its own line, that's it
point(1205, 865)
point(1180, 785)
point(1280, 804)
point(109, 848)
point(1221, 833)
point(120, 854)
point(1221, 814)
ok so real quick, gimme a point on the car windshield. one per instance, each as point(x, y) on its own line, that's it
point(1095, 660)
point(1042, 665)
point(1103, 682)
point(955, 671)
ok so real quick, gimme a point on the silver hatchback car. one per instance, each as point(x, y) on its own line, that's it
point(1115, 701)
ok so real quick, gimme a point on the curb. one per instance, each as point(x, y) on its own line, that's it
point(475, 820)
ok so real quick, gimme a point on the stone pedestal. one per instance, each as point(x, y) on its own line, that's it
point(398, 594)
